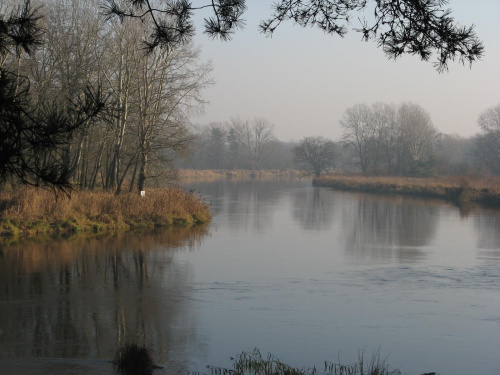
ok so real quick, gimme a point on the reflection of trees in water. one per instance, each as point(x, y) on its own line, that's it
point(314, 208)
point(488, 227)
point(82, 298)
point(385, 228)
point(248, 204)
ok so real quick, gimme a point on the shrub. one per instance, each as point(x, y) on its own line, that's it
point(133, 359)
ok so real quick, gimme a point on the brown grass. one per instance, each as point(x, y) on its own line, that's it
point(240, 174)
point(458, 189)
point(30, 211)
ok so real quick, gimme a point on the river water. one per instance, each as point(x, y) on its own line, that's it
point(307, 274)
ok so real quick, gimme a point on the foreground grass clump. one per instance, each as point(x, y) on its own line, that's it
point(456, 189)
point(31, 211)
point(254, 364)
point(133, 359)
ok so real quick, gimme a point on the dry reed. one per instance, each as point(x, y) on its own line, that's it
point(253, 363)
point(31, 211)
point(457, 189)
point(240, 174)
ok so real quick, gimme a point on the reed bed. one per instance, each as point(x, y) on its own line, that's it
point(30, 211)
point(253, 363)
point(456, 189)
point(240, 174)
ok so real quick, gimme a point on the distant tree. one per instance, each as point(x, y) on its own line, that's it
point(455, 155)
point(356, 123)
point(488, 140)
point(233, 147)
point(415, 27)
point(389, 140)
point(216, 148)
point(315, 153)
point(255, 136)
point(386, 138)
point(279, 155)
point(418, 138)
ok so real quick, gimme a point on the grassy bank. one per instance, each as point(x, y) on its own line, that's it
point(240, 174)
point(253, 363)
point(459, 190)
point(29, 212)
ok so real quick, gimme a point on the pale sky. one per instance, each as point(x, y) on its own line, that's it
point(302, 80)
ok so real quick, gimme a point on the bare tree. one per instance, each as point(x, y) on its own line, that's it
point(233, 146)
point(316, 153)
point(385, 142)
point(34, 134)
point(66, 64)
point(418, 136)
point(403, 139)
point(489, 121)
point(455, 155)
point(488, 141)
point(255, 136)
point(356, 123)
point(216, 145)
point(168, 85)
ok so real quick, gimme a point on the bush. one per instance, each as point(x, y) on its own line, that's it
point(132, 359)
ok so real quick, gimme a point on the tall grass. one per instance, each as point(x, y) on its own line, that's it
point(457, 189)
point(31, 211)
point(253, 363)
point(240, 174)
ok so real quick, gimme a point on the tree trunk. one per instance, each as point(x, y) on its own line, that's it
point(142, 172)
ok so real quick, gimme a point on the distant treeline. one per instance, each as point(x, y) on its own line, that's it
point(381, 139)
point(238, 144)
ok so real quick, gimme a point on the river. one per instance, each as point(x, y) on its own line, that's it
point(307, 274)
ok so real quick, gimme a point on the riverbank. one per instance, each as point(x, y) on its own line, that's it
point(240, 174)
point(31, 212)
point(458, 190)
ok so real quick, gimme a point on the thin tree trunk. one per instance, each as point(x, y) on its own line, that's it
point(131, 188)
point(142, 172)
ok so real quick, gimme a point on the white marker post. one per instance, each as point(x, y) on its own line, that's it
point(143, 193)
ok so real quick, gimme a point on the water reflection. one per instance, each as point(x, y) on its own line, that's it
point(488, 227)
point(247, 204)
point(314, 208)
point(388, 228)
point(300, 272)
point(82, 298)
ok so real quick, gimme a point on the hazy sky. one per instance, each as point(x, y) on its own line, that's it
point(302, 80)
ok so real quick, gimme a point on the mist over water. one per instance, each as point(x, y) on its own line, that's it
point(308, 274)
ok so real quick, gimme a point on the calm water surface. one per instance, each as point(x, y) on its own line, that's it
point(305, 273)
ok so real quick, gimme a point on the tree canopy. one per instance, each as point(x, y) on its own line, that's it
point(416, 27)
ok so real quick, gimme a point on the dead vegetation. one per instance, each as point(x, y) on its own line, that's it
point(29, 211)
point(456, 189)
